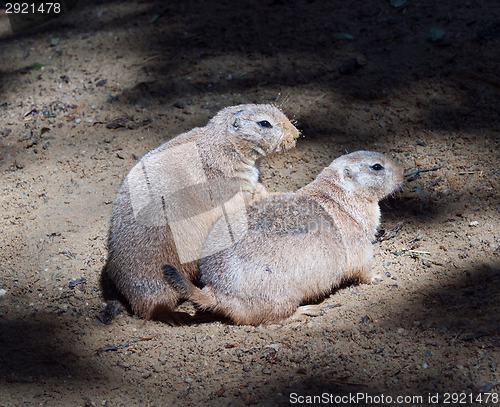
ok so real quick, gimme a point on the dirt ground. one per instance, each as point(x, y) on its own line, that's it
point(83, 97)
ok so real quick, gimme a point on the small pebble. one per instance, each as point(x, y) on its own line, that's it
point(3, 292)
point(350, 66)
point(474, 223)
point(74, 283)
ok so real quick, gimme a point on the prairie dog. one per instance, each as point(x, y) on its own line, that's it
point(172, 196)
point(298, 246)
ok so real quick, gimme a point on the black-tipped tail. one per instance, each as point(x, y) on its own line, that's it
point(205, 298)
point(176, 279)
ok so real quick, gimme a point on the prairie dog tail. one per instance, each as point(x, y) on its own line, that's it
point(203, 298)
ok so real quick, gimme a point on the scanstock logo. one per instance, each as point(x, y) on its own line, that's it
point(171, 187)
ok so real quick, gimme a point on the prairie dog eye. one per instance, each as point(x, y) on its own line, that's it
point(377, 167)
point(265, 123)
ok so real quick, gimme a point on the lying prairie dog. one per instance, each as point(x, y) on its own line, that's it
point(295, 247)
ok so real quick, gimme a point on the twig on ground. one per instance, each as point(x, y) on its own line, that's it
point(435, 182)
point(419, 170)
point(389, 233)
point(415, 251)
point(114, 347)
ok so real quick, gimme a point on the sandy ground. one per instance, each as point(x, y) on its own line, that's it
point(418, 82)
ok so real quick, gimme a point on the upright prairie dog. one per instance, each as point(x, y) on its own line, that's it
point(296, 247)
point(173, 195)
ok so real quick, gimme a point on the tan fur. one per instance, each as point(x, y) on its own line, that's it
point(212, 161)
point(299, 246)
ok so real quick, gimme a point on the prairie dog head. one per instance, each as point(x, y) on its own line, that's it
point(368, 173)
point(257, 130)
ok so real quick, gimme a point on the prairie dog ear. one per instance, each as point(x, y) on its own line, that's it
point(236, 124)
point(348, 174)
point(237, 119)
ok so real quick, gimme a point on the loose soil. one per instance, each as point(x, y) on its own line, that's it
point(418, 82)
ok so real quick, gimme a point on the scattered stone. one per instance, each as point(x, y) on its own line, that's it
point(74, 283)
point(16, 166)
point(350, 66)
point(110, 312)
point(48, 113)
